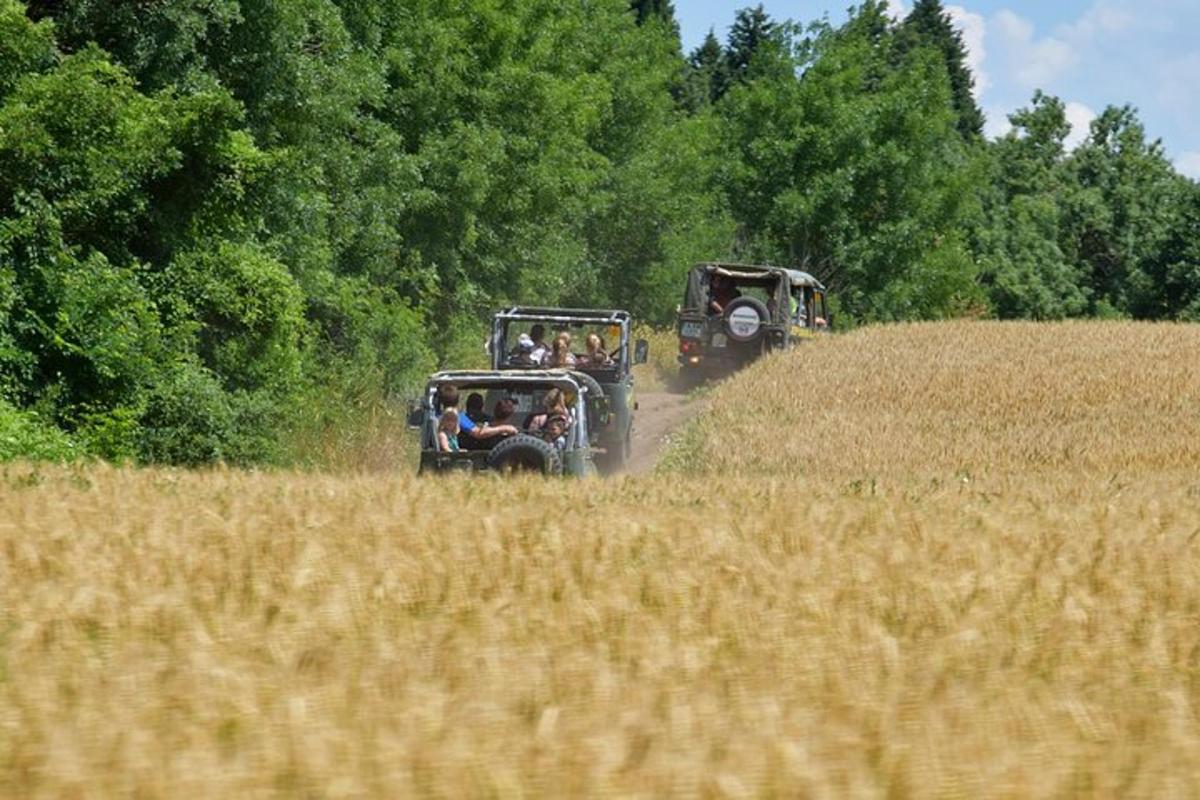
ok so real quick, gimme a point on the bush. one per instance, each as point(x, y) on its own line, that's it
point(188, 419)
point(248, 314)
point(24, 436)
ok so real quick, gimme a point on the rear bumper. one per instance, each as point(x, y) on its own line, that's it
point(462, 461)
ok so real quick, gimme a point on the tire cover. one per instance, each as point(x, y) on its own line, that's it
point(525, 453)
point(745, 318)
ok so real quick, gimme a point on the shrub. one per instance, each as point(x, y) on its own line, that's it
point(188, 419)
point(23, 435)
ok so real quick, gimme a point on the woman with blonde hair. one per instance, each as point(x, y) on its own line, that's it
point(560, 353)
point(553, 404)
point(596, 357)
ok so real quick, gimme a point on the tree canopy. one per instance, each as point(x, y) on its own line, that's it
point(219, 218)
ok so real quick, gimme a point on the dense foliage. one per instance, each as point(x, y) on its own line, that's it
point(224, 224)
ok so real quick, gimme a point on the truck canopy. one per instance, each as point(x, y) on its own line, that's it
point(696, 295)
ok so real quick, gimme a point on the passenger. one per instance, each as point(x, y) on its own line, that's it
point(503, 412)
point(447, 432)
point(553, 403)
point(595, 357)
point(475, 409)
point(537, 334)
point(722, 292)
point(555, 429)
point(524, 353)
point(448, 397)
point(561, 356)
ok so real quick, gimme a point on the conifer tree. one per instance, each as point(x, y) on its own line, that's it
point(751, 29)
point(929, 24)
point(706, 70)
point(654, 9)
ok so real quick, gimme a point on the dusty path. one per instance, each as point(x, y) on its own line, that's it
point(659, 414)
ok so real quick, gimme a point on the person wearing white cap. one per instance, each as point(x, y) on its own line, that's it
point(522, 354)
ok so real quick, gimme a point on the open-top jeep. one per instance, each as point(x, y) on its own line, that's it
point(613, 379)
point(570, 453)
point(733, 313)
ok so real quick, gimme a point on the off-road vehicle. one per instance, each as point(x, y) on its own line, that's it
point(614, 379)
point(733, 313)
point(571, 454)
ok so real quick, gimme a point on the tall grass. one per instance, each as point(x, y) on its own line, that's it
point(909, 403)
point(766, 630)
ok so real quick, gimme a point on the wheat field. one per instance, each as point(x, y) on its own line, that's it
point(862, 596)
point(996, 401)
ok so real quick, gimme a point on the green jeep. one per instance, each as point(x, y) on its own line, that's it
point(733, 313)
point(613, 380)
point(571, 454)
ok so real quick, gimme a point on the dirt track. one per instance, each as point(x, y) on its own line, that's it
point(659, 414)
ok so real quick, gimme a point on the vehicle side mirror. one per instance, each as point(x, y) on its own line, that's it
point(416, 415)
point(641, 351)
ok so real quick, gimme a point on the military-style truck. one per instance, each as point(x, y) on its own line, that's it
point(570, 451)
point(514, 328)
point(734, 313)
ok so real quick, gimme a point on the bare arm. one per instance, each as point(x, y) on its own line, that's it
point(492, 431)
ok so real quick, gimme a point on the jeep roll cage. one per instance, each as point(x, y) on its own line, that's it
point(425, 415)
point(499, 345)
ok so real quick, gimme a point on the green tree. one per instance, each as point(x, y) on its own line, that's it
point(1024, 268)
point(854, 170)
point(1120, 218)
point(929, 24)
point(752, 29)
point(661, 10)
point(704, 78)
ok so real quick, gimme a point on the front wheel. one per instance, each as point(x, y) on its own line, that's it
point(614, 460)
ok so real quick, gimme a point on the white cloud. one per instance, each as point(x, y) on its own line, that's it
point(1080, 117)
point(997, 124)
point(1189, 164)
point(1033, 62)
point(1102, 18)
point(974, 31)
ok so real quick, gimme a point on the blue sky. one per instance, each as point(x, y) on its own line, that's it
point(1091, 53)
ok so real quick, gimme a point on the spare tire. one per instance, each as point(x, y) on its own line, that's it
point(525, 453)
point(588, 382)
point(745, 318)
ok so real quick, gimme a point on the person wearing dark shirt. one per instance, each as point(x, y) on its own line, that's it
point(475, 409)
point(448, 397)
point(721, 293)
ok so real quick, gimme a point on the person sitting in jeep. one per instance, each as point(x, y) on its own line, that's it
point(475, 409)
point(552, 404)
point(448, 397)
point(560, 356)
point(721, 292)
point(523, 354)
point(537, 335)
point(595, 356)
point(555, 429)
point(502, 412)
